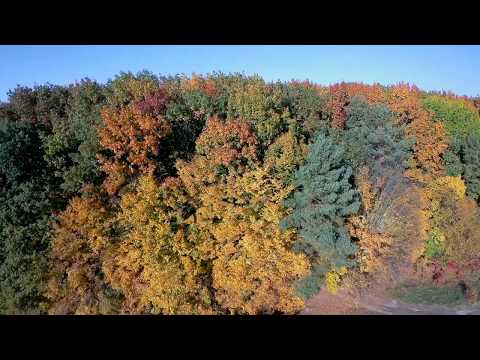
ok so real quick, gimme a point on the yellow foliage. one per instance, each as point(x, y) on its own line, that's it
point(284, 156)
point(254, 268)
point(455, 216)
point(154, 265)
point(333, 279)
point(75, 286)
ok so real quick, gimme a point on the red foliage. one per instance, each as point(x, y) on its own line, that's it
point(339, 99)
point(154, 104)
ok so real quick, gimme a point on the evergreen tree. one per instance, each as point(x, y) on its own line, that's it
point(25, 207)
point(323, 199)
point(471, 159)
point(372, 139)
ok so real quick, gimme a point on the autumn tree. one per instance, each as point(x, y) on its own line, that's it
point(285, 155)
point(222, 148)
point(76, 280)
point(261, 105)
point(153, 263)
point(40, 104)
point(133, 139)
point(307, 106)
point(338, 100)
point(255, 269)
point(471, 159)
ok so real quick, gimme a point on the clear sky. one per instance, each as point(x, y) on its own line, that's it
point(455, 68)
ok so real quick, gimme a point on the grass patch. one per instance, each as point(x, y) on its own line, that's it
point(431, 295)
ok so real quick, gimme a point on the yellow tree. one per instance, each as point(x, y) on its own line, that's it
point(453, 221)
point(431, 140)
point(255, 269)
point(76, 284)
point(153, 264)
point(222, 148)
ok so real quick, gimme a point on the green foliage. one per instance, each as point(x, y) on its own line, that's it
point(311, 284)
point(431, 295)
point(127, 87)
point(435, 245)
point(324, 198)
point(25, 209)
point(460, 120)
point(471, 159)
point(372, 139)
point(72, 146)
point(306, 106)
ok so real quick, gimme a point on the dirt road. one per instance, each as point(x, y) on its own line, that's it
point(342, 303)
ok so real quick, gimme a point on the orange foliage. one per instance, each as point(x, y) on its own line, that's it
point(339, 99)
point(134, 139)
point(431, 142)
point(374, 94)
point(196, 82)
point(405, 102)
point(75, 284)
point(153, 263)
point(230, 144)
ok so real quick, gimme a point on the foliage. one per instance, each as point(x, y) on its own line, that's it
point(76, 280)
point(458, 117)
point(25, 207)
point(154, 263)
point(324, 198)
point(133, 138)
point(72, 146)
point(227, 194)
point(371, 139)
point(39, 105)
point(428, 295)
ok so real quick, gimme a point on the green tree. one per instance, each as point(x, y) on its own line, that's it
point(372, 139)
point(25, 208)
point(72, 146)
point(324, 198)
point(471, 159)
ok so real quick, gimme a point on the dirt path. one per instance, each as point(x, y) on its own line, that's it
point(342, 303)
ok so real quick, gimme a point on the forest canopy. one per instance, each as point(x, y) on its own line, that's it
point(227, 194)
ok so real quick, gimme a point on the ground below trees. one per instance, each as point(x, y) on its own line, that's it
point(343, 303)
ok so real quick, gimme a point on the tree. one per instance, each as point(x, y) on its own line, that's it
point(459, 118)
point(431, 143)
point(284, 156)
point(25, 207)
point(471, 159)
point(453, 219)
point(127, 87)
point(338, 100)
point(76, 280)
point(154, 263)
point(324, 198)
point(133, 139)
point(307, 106)
point(255, 270)
point(222, 148)
point(371, 139)
point(39, 105)
point(261, 105)
point(72, 146)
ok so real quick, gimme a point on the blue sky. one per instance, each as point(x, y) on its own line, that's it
point(454, 68)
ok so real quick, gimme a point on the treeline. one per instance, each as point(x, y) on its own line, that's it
point(225, 194)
